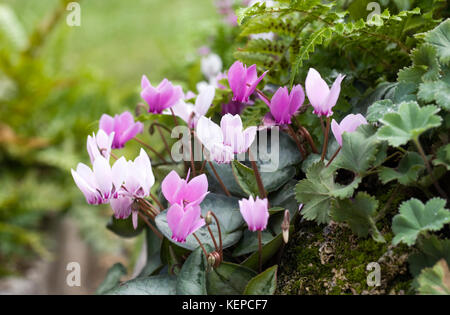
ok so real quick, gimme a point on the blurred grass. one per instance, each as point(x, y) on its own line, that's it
point(121, 40)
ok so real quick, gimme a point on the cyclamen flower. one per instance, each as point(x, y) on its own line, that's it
point(164, 96)
point(284, 105)
point(182, 191)
point(228, 139)
point(320, 96)
point(255, 213)
point(183, 221)
point(349, 124)
point(136, 178)
point(122, 126)
point(98, 185)
point(191, 113)
point(243, 81)
point(100, 145)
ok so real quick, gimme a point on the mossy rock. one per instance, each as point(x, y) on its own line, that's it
point(332, 260)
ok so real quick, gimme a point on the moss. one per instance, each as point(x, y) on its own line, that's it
point(332, 260)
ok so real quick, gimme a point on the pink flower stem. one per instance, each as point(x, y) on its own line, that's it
point(175, 120)
point(262, 95)
point(333, 157)
point(202, 169)
point(260, 250)
point(150, 225)
point(219, 179)
point(259, 182)
point(325, 141)
point(166, 145)
point(114, 156)
point(297, 141)
point(201, 245)
point(151, 149)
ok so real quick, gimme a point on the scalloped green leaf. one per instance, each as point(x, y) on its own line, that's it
point(318, 190)
point(227, 211)
point(408, 123)
point(436, 280)
point(377, 110)
point(263, 284)
point(443, 157)
point(415, 217)
point(436, 91)
point(359, 150)
point(407, 171)
point(439, 38)
point(359, 214)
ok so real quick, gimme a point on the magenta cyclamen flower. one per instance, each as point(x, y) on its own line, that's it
point(320, 96)
point(134, 179)
point(183, 221)
point(165, 95)
point(349, 124)
point(255, 213)
point(97, 184)
point(284, 105)
point(100, 145)
point(182, 191)
point(123, 127)
point(228, 139)
point(243, 81)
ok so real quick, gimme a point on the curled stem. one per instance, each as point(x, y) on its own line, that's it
point(220, 233)
point(201, 245)
point(156, 201)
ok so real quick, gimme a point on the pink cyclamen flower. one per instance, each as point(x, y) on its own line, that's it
point(123, 127)
point(135, 178)
point(243, 81)
point(183, 221)
point(284, 105)
point(255, 213)
point(164, 96)
point(191, 113)
point(228, 139)
point(320, 96)
point(100, 145)
point(349, 124)
point(182, 191)
point(98, 185)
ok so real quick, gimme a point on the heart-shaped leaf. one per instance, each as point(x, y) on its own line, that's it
point(124, 227)
point(227, 211)
point(192, 278)
point(155, 285)
point(263, 284)
point(228, 279)
point(415, 218)
point(153, 247)
point(112, 278)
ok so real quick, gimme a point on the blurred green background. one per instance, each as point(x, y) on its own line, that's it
point(55, 82)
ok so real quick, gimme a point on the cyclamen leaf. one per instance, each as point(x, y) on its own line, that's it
point(359, 214)
point(415, 218)
point(408, 123)
point(435, 280)
point(359, 150)
point(407, 172)
point(263, 284)
point(192, 278)
point(440, 39)
point(245, 177)
point(155, 285)
point(112, 278)
point(228, 279)
point(318, 190)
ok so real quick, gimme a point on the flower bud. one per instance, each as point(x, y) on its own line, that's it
point(285, 226)
point(208, 218)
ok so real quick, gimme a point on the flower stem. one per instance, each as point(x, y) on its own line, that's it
point(150, 225)
point(151, 149)
point(308, 137)
point(191, 141)
point(175, 120)
point(297, 141)
point(166, 145)
point(219, 179)
point(260, 250)
point(259, 182)
point(334, 156)
point(430, 171)
point(220, 233)
point(157, 201)
point(201, 245)
point(325, 141)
